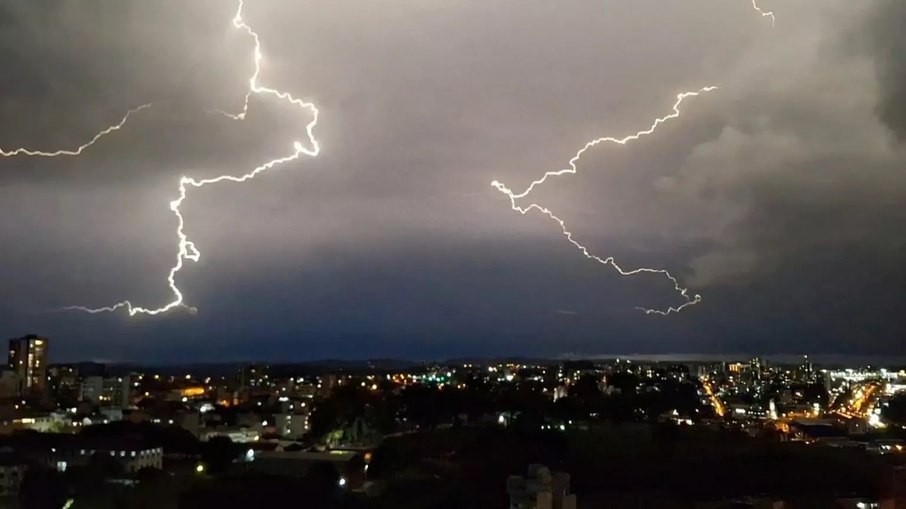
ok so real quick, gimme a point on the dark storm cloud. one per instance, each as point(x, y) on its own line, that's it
point(772, 197)
point(800, 193)
point(795, 176)
point(887, 41)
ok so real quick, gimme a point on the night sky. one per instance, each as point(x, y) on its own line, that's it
point(779, 198)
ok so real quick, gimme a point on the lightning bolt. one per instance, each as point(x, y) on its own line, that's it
point(572, 170)
point(78, 150)
point(186, 250)
point(764, 14)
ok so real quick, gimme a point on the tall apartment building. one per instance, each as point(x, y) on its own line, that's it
point(28, 359)
point(106, 391)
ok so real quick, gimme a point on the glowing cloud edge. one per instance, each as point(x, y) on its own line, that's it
point(186, 248)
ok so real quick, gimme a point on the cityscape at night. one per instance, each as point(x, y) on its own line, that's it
point(616, 432)
point(438, 254)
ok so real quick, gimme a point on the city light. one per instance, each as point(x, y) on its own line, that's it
point(190, 392)
point(656, 429)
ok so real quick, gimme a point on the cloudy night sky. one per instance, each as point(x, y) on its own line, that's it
point(779, 197)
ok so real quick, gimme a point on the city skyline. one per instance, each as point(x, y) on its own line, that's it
point(422, 254)
point(893, 362)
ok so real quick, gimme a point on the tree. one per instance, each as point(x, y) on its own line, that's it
point(42, 488)
point(585, 388)
point(88, 479)
point(320, 483)
point(149, 474)
point(352, 415)
point(896, 409)
point(218, 453)
point(243, 492)
point(107, 466)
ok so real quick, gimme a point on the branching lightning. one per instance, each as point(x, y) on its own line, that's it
point(187, 251)
point(572, 169)
point(78, 150)
point(764, 13)
point(186, 248)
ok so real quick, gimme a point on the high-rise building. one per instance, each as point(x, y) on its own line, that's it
point(253, 375)
point(253, 379)
point(757, 365)
point(106, 392)
point(805, 371)
point(63, 382)
point(28, 359)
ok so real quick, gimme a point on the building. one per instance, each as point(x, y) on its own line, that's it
point(805, 371)
point(189, 420)
point(349, 466)
point(12, 470)
point(40, 422)
point(28, 359)
point(62, 451)
point(896, 493)
point(253, 380)
point(253, 375)
point(540, 489)
point(111, 391)
point(736, 368)
point(9, 384)
point(291, 425)
point(132, 455)
point(757, 366)
point(63, 382)
point(235, 434)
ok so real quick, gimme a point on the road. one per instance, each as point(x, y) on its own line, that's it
point(718, 405)
point(863, 400)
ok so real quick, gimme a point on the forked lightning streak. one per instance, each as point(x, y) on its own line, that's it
point(684, 292)
point(186, 248)
point(572, 169)
point(78, 150)
point(764, 13)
